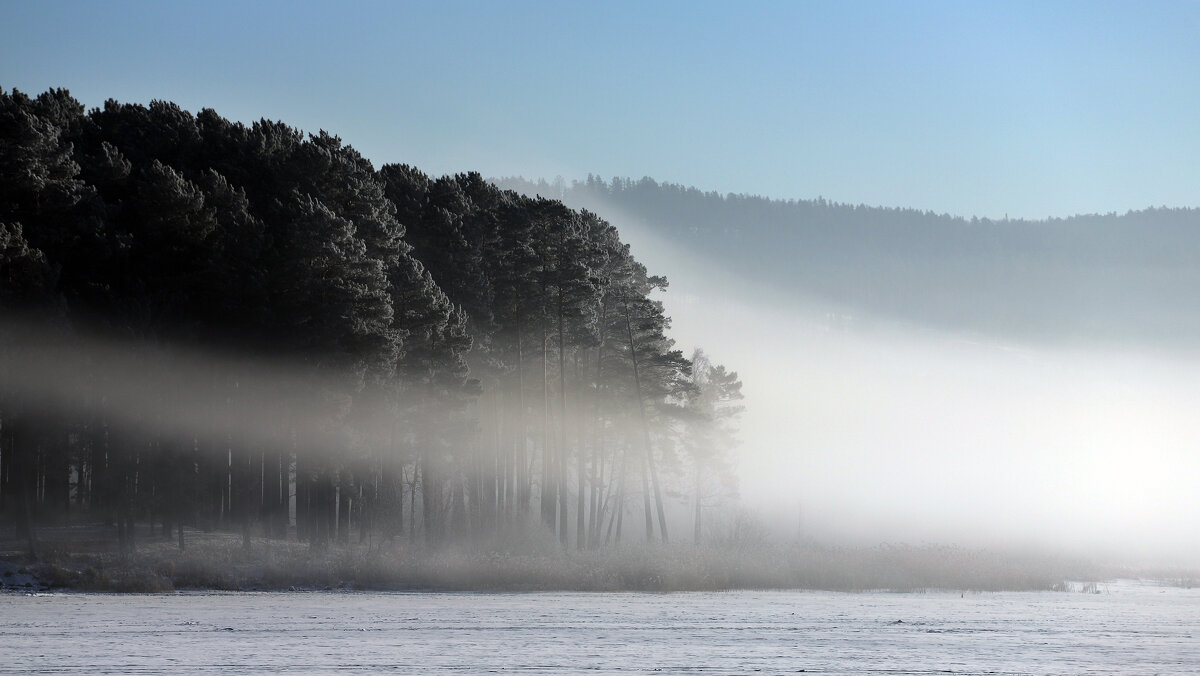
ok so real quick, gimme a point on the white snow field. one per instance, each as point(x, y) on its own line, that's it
point(1128, 627)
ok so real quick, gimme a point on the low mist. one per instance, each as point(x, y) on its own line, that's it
point(861, 430)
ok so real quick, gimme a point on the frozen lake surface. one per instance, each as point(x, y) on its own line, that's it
point(1131, 627)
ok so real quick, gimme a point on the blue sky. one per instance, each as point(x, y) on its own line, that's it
point(1020, 108)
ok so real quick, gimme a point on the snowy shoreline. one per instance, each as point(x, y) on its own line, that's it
point(220, 562)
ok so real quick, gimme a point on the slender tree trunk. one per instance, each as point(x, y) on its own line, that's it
point(399, 488)
point(328, 507)
point(598, 488)
point(492, 464)
point(280, 490)
point(658, 500)
point(580, 475)
point(598, 446)
point(521, 486)
point(459, 522)
point(27, 520)
point(122, 538)
point(619, 510)
point(181, 504)
point(390, 505)
point(646, 500)
point(603, 512)
point(345, 505)
point(316, 506)
point(505, 451)
point(22, 472)
point(5, 462)
point(302, 517)
point(128, 503)
point(131, 497)
point(649, 455)
point(699, 467)
point(561, 464)
point(431, 497)
point(227, 489)
point(246, 493)
point(548, 493)
point(412, 500)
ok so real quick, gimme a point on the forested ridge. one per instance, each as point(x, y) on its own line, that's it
point(458, 357)
point(1095, 278)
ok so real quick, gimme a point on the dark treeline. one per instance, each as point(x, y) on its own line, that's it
point(1105, 278)
point(459, 358)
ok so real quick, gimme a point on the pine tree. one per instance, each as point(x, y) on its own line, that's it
point(709, 431)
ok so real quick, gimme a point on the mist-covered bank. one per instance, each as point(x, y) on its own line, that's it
point(75, 559)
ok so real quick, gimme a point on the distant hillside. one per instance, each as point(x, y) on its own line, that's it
point(1092, 278)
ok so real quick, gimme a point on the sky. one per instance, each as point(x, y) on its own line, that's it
point(1025, 109)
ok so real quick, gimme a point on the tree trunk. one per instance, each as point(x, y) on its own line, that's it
point(658, 501)
point(619, 509)
point(412, 501)
point(521, 481)
point(561, 463)
point(598, 445)
point(344, 506)
point(30, 532)
point(303, 520)
point(22, 472)
point(280, 493)
point(431, 498)
point(548, 493)
point(580, 478)
point(328, 507)
point(646, 500)
point(696, 536)
point(649, 456)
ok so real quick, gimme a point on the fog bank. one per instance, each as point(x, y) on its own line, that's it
point(863, 430)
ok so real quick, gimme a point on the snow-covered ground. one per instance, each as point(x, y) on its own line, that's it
point(1128, 627)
